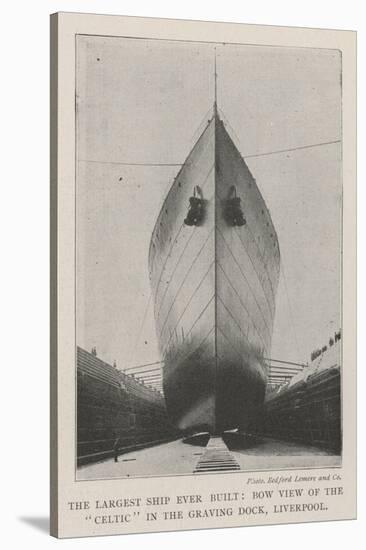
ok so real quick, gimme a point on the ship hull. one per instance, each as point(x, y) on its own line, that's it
point(214, 287)
point(199, 398)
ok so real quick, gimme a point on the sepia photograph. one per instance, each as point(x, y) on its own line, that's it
point(208, 243)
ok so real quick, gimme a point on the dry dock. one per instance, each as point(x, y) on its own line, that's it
point(177, 457)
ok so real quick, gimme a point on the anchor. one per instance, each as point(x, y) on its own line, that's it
point(196, 210)
point(233, 213)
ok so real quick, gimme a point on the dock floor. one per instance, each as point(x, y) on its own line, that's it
point(177, 457)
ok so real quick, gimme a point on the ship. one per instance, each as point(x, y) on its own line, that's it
point(214, 264)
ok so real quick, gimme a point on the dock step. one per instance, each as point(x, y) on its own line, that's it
point(216, 458)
